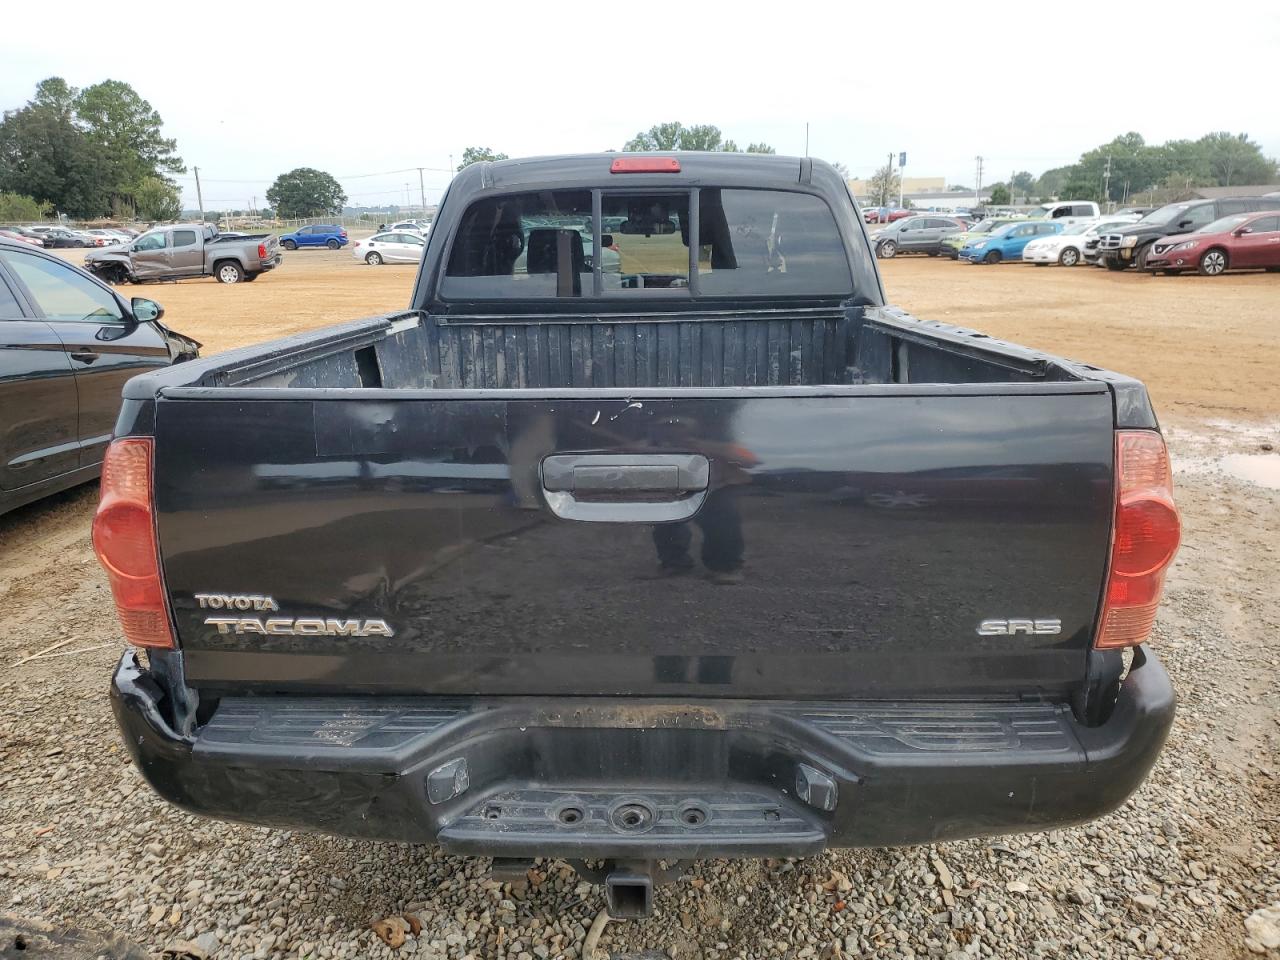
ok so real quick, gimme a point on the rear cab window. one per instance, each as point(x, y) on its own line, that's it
point(682, 243)
point(522, 245)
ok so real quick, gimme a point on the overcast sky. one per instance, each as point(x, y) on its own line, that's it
point(367, 88)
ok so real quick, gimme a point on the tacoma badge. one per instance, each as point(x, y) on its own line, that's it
point(301, 627)
point(282, 626)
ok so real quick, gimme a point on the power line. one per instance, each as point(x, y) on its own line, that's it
point(348, 176)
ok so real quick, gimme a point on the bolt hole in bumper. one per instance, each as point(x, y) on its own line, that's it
point(640, 780)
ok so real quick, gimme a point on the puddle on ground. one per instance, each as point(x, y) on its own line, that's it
point(1260, 468)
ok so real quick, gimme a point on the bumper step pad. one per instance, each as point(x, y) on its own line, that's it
point(680, 824)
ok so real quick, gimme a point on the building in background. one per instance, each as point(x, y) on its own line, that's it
point(910, 185)
point(924, 193)
point(1246, 190)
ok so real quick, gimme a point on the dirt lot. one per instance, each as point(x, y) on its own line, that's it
point(1173, 873)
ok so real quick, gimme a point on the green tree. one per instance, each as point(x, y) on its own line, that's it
point(158, 199)
point(1185, 159)
point(1051, 182)
point(57, 96)
point(127, 130)
point(14, 206)
point(475, 154)
point(1235, 159)
point(1023, 182)
point(45, 155)
point(266, 213)
point(86, 152)
point(702, 136)
point(661, 136)
point(306, 192)
point(999, 195)
point(885, 185)
point(676, 136)
point(1133, 162)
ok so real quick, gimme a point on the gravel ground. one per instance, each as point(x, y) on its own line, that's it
point(84, 843)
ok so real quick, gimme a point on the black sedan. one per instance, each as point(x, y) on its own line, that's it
point(61, 238)
point(68, 343)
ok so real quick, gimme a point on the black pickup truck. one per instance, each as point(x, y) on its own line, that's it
point(432, 576)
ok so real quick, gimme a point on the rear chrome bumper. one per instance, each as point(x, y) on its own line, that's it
point(612, 777)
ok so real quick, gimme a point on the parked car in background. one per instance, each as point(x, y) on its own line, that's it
point(183, 250)
point(105, 238)
point(1240, 241)
point(1067, 248)
point(68, 343)
point(28, 233)
point(315, 235)
point(1007, 243)
point(886, 214)
point(915, 235)
point(1129, 246)
point(390, 247)
point(60, 237)
point(99, 238)
point(952, 245)
point(411, 226)
point(21, 238)
point(1068, 211)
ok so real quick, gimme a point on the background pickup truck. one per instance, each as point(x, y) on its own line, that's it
point(711, 555)
point(185, 250)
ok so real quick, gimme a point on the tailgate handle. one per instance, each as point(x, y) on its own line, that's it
point(625, 488)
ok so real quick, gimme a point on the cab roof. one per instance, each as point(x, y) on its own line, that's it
point(569, 171)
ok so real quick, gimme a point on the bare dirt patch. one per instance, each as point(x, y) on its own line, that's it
point(1204, 346)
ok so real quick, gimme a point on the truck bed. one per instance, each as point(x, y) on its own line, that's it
point(819, 346)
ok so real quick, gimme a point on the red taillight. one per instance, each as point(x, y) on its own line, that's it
point(124, 538)
point(645, 165)
point(262, 251)
point(342, 233)
point(1143, 541)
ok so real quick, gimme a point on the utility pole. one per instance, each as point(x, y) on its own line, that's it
point(977, 193)
point(888, 183)
point(902, 163)
point(422, 193)
point(806, 138)
point(1011, 187)
point(406, 196)
point(199, 195)
point(451, 169)
point(1106, 184)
